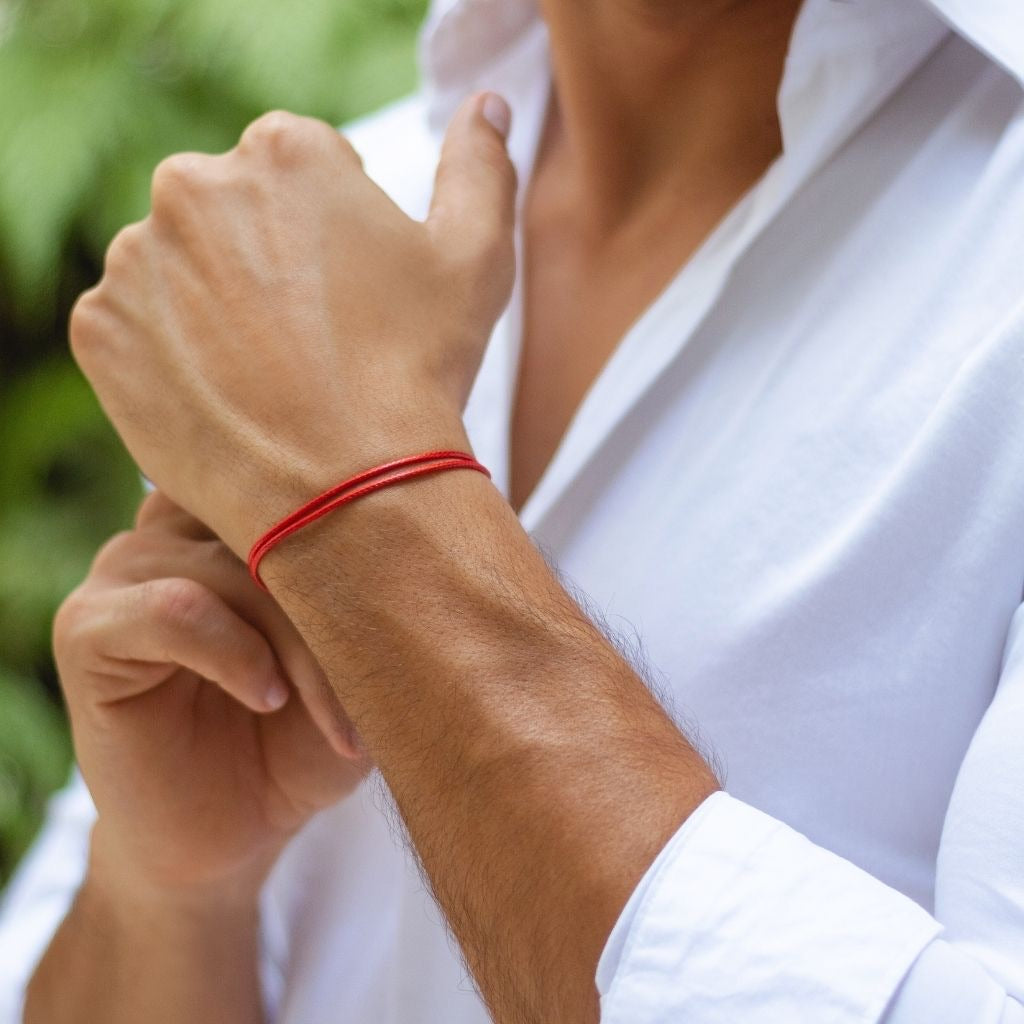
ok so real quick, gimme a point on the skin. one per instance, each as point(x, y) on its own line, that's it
point(640, 160)
point(179, 677)
point(537, 777)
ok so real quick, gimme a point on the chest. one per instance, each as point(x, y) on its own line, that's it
point(808, 516)
point(575, 310)
point(583, 287)
point(805, 510)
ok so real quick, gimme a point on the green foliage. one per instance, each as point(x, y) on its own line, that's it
point(34, 755)
point(92, 96)
point(65, 485)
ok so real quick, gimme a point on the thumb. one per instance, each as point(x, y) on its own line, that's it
point(472, 215)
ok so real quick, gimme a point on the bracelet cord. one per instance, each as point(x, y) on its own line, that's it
point(355, 487)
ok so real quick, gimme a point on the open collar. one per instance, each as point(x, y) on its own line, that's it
point(463, 39)
point(996, 27)
point(845, 61)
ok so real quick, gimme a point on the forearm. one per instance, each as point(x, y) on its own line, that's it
point(122, 956)
point(536, 775)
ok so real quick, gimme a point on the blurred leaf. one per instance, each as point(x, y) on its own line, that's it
point(61, 115)
point(66, 484)
point(35, 755)
point(93, 94)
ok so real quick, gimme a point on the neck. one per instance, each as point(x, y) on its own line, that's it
point(649, 90)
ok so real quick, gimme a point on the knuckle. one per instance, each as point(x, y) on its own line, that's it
point(347, 149)
point(90, 326)
point(77, 629)
point(273, 123)
point(69, 621)
point(281, 133)
point(83, 327)
point(124, 251)
point(178, 604)
point(178, 171)
point(289, 139)
point(176, 178)
point(114, 553)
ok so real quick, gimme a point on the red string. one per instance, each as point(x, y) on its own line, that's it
point(349, 490)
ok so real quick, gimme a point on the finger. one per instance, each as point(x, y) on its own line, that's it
point(322, 776)
point(180, 623)
point(228, 577)
point(291, 140)
point(326, 711)
point(149, 554)
point(473, 209)
point(176, 181)
point(158, 512)
point(302, 668)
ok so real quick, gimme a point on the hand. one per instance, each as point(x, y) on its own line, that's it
point(177, 672)
point(277, 323)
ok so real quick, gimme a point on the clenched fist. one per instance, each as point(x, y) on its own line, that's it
point(277, 323)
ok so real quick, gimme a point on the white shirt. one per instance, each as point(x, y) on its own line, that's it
point(799, 485)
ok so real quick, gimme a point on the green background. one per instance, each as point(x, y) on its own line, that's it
point(93, 94)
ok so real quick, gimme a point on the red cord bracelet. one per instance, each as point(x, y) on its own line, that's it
point(358, 486)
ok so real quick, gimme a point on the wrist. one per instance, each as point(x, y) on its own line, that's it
point(293, 478)
point(374, 549)
point(115, 881)
point(135, 952)
point(439, 566)
point(156, 926)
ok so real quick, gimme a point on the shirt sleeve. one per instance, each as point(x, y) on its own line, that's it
point(41, 892)
point(743, 918)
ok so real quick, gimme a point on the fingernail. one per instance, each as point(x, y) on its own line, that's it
point(276, 696)
point(498, 113)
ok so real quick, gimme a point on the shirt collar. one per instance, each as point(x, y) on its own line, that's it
point(462, 39)
point(996, 27)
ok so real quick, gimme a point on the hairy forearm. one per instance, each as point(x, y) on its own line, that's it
point(536, 775)
point(122, 957)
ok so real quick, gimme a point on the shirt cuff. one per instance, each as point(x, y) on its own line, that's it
point(742, 918)
point(946, 986)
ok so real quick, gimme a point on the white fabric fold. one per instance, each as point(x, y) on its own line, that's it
point(744, 919)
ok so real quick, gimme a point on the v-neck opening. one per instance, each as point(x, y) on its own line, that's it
point(647, 325)
point(665, 328)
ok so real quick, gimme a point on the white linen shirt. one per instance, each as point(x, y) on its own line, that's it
point(799, 483)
